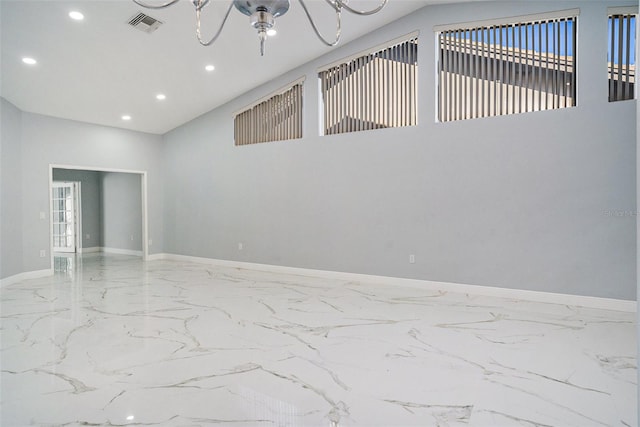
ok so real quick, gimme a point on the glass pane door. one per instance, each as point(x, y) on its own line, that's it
point(64, 214)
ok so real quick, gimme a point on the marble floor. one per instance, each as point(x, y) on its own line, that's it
point(113, 341)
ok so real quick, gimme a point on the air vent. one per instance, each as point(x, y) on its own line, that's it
point(144, 23)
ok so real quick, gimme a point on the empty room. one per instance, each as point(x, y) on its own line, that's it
point(318, 213)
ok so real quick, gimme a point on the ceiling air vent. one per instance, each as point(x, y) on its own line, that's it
point(144, 23)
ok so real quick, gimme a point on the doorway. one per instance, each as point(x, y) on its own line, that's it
point(86, 232)
point(66, 217)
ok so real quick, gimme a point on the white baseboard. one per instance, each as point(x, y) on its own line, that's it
point(528, 295)
point(121, 251)
point(96, 249)
point(25, 276)
point(156, 257)
point(90, 250)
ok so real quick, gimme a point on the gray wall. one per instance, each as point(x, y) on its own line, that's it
point(91, 199)
point(10, 190)
point(47, 140)
point(638, 240)
point(522, 201)
point(122, 211)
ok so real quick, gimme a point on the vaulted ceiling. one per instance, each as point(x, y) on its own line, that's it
point(100, 68)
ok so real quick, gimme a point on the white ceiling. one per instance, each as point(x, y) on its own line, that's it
point(100, 68)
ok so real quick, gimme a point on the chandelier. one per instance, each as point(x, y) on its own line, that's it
point(262, 14)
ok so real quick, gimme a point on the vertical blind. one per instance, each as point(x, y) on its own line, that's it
point(493, 70)
point(372, 91)
point(276, 119)
point(621, 57)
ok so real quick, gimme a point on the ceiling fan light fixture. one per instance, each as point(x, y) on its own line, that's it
point(262, 21)
point(262, 14)
point(274, 7)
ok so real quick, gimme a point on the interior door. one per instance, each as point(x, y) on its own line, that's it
point(64, 216)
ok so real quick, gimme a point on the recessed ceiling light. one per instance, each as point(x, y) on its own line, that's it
point(125, 117)
point(209, 67)
point(161, 97)
point(74, 14)
point(29, 61)
point(271, 32)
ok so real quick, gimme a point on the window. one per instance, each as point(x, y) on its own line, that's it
point(622, 53)
point(504, 67)
point(374, 90)
point(277, 118)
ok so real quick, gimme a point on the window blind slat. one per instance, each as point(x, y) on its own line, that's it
point(572, 92)
point(620, 47)
point(627, 60)
point(486, 77)
point(547, 79)
point(540, 68)
point(555, 61)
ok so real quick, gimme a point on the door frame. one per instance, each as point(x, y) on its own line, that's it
point(145, 210)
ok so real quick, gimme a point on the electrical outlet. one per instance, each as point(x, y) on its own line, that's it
point(42, 215)
point(88, 236)
point(412, 259)
point(150, 242)
point(131, 237)
point(43, 253)
point(240, 246)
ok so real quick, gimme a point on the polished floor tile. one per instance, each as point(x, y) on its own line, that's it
point(110, 340)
